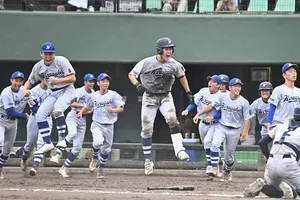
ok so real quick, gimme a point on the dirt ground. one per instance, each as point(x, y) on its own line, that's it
point(120, 184)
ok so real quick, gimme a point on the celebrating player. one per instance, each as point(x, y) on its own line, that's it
point(60, 76)
point(76, 126)
point(106, 104)
point(225, 80)
point(12, 104)
point(34, 139)
point(207, 96)
point(157, 75)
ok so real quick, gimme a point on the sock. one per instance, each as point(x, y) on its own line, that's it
point(146, 143)
point(70, 159)
point(25, 154)
point(95, 153)
point(103, 159)
point(37, 159)
point(61, 126)
point(207, 153)
point(214, 157)
point(58, 152)
point(3, 160)
point(44, 130)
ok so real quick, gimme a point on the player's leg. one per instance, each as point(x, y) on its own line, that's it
point(62, 103)
point(42, 116)
point(148, 114)
point(2, 157)
point(207, 140)
point(291, 176)
point(232, 139)
point(98, 139)
point(1, 141)
point(168, 110)
point(10, 133)
point(77, 145)
point(218, 138)
point(108, 133)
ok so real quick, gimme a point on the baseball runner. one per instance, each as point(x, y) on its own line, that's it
point(106, 104)
point(233, 125)
point(60, 76)
point(12, 104)
point(157, 75)
point(282, 164)
point(225, 80)
point(206, 96)
point(259, 110)
point(76, 126)
point(34, 139)
point(284, 98)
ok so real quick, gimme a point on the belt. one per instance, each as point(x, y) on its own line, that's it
point(106, 124)
point(283, 156)
point(33, 114)
point(56, 89)
point(230, 127)
point(158, 94)
point(208, 123)
point(7, 117)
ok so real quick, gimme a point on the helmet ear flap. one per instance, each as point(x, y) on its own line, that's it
point(159, 50)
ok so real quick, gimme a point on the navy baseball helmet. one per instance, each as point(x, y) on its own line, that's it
point(265, 86)
point(225, 78)
point(89, 77)
point(48, 47)
point(235, 81)
point(103, 76)
point(164, 43)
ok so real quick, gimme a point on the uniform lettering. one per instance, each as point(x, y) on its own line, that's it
point(205, 101)
point(263, 111)
point(230, 108)
point(103, 103)
point(290, 99)
point(58, 74)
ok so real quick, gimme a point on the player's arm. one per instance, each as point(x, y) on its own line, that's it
point(67, 79)
point(69, 73)
point(9, 107)
point(263, 144)
point(87, 106)
point(274, 102)
point(119, 104)
point(133, 75)
point(232, 6)
point(180, 74)
point(247, 122)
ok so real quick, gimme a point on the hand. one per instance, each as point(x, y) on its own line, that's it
point(27, 116)
point(190, 97)
point(53, 80)
point(26, 93)
point(244, 136)
point(185, 113)
point(79, 115)
point(209, 119)
point(140, 87)
point(110, 110)
point(31, 102)
point(268, 125)
point(196, 119)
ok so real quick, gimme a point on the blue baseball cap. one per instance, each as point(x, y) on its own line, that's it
point(235, 81)
point(89, 77)
point(286, 66)
point(215, 78)
point(48, 47)
point(103, 76)
point(18, 74)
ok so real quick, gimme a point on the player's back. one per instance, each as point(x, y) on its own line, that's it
point(12, 99)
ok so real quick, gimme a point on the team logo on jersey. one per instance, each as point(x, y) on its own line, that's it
point(166, 74)
point(290, 99)
point(58, 74)
point(205, 101)
point(103, 103)
point(263, 111)
point(231, 108)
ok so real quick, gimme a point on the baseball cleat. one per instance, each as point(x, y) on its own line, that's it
point(209, 169)
point(55, 159)
point(63, 171)
point(100, 173)
point(93, 165)
point(1, 173)
point(254, 188)
point(214, 172)
point(61, 143)
point(182, 155)
point(32, 171)
point(288, 192)
point(148, 167)
point(226, 176)
point(24, 165)
point(45, 148)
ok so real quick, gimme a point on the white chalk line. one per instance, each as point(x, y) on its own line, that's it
point(121, 193)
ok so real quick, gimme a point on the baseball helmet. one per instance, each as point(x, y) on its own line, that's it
point(265, 86)
point(164, 43)
point(224, 78)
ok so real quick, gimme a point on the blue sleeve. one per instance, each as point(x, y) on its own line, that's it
point(12, 113)
point(191, 107)
point(263, 144)
point(217, 115)
point(34, 109)
point(271, 113)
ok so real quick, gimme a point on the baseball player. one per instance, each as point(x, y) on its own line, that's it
point(106, 105)
point(34, 139)
point(259, 110)
point(76, 126)
point(233, 125)
point(284, 98)
point(282, 164)
point(60, 76)
point(225, 80)
point(12, 104)
point(157, 75)
point(206, 96)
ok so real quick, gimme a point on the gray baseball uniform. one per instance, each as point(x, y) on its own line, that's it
point(283, 163)
point(234, 113)
point(102, 126)
point(8, 125)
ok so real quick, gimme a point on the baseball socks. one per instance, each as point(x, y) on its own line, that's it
point(44, 130)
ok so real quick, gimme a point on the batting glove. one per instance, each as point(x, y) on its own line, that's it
point(140, 87)
point(190, 97)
